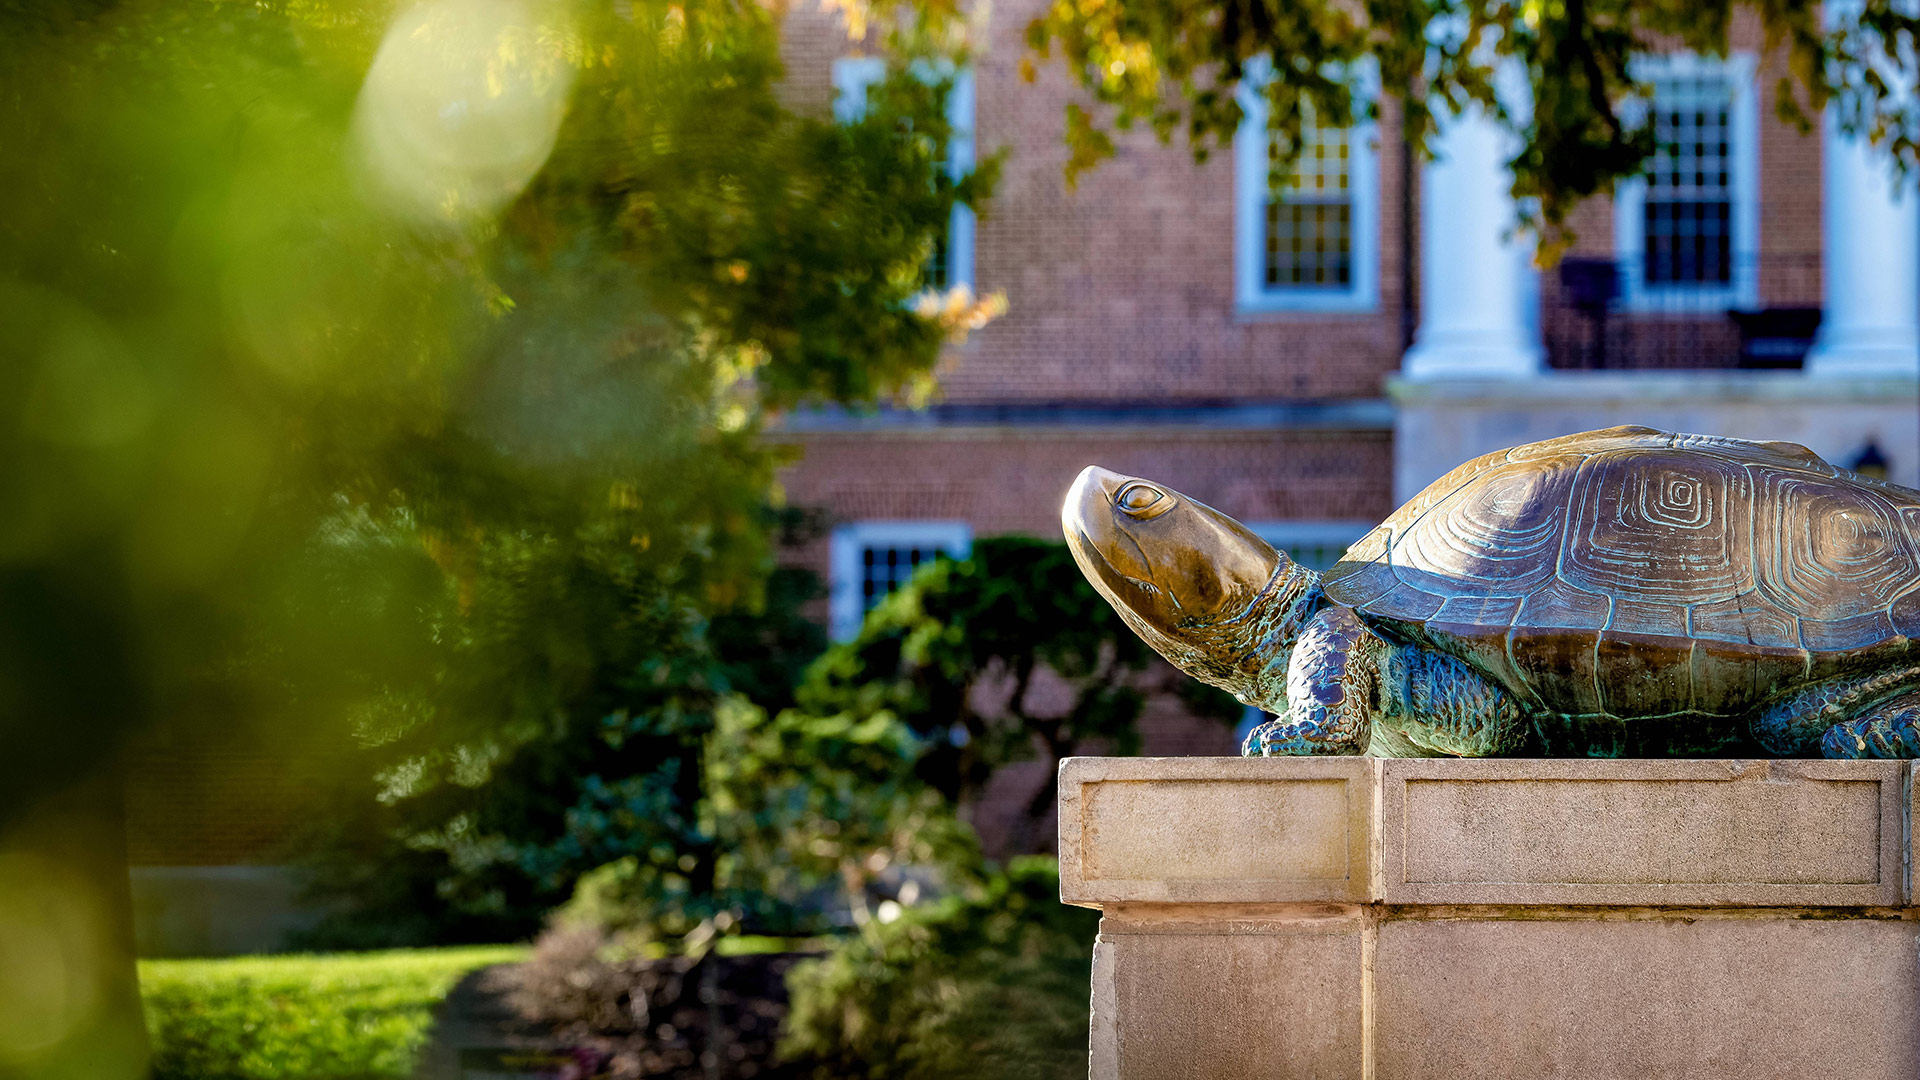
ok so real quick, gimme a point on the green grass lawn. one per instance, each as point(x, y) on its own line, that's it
point(347, 1015)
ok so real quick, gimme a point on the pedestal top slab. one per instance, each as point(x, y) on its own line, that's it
point(1489, 831)
point(1216, 830)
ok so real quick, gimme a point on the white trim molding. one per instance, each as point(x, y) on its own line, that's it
point(846, 571)
point(1251, 190)
point(960, 162)
point(1743, 153)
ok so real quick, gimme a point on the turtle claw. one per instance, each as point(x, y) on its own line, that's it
point(1281, 737)
point(1890, 731)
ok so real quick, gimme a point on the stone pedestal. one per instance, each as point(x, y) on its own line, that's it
point(1352, 917)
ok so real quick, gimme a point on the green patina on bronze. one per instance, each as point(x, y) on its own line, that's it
point(1618, 592)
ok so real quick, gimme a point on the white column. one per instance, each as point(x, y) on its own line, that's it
point(1478, 300)
point(1871, 258)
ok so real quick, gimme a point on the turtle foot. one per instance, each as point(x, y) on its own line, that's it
point(1890, 730)
point(1284, 738)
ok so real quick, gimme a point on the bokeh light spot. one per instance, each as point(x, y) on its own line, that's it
point(51, 934)
point(462, 106)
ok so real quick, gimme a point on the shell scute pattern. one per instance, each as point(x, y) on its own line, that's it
point(1692, 572)
point(1637, 667)
point(1790, 454)
point(1746, 619)
point(1842, 635)
point(1624, 437)
point(1830, 551)
point(1664, 528)
point(1498, 532)
point(1556, 671)
point(1364, 572)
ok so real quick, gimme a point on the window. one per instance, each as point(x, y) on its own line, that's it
point(1313, 245)
point(1687, 229)
point(951, 263)
point(869, 559)
point(1309, 230)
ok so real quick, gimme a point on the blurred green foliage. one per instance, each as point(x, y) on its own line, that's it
point(286, 454)
point(1174, 66)
point(422, 409)
point(1003, 656)
point(991, 986)
point(300, 1017)
point(806, 812)
point(857, 791)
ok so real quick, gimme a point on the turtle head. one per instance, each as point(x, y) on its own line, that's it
point(1198, 586)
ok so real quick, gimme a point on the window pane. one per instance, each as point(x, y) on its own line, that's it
point(1309, 227)
point(1689, 208)
point(885, 568)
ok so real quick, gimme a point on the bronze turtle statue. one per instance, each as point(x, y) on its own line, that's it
point(1627, 591)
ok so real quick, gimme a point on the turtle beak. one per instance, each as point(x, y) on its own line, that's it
point(1089, 502)
point(1091, 490)
point(1095, 534)
point(1090, 495)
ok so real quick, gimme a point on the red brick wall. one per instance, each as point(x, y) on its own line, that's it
point(1122, 290)
point(1790, 187)
point(210, 806)
point(1012, 481)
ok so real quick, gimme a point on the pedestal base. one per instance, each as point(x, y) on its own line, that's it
point(1524, 918)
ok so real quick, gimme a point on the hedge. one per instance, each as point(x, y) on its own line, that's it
point(349, 1016)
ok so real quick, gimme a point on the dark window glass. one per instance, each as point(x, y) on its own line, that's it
point(1689, 209)
point(884, 568)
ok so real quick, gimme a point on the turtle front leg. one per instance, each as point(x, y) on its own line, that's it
point(1334, 691)
point(1349, 691)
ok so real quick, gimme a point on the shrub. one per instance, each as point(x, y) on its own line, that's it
point(993, 986)
point(658, 1016)
point(300, 1017)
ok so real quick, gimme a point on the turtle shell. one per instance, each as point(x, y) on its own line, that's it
point(1635, 573)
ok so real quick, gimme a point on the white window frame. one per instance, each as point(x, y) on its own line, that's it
point(1630, 195)
point(844, 571)
point(1318, 533)
point(854, 75)
point(1250, 291)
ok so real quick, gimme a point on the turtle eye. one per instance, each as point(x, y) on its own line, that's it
point(1142, 500)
